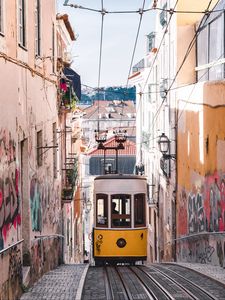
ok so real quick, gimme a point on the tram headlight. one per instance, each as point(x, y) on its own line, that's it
point(121, 243)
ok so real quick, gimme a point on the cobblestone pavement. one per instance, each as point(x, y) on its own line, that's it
point(215, 272)
point(65, 282)
point(59, 284)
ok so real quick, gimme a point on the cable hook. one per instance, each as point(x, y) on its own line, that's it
point(141, 11)
point(104, 11)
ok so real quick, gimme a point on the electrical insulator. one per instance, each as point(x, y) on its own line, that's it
point(154, 3)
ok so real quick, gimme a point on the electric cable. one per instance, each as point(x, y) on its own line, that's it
point(100, 59)
point(132, 59)
point(144, 10)
point(182, 63)
point(133, 52)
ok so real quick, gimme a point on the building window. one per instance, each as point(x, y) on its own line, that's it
point(37, 28)
point(39, 148)
point(53, 48)
point(163, 16)
point(1, 17)
point(22, 24)
point(210, 50)
point(216, 47)
point(54, 150)
point(202, 53)
point(150, 41)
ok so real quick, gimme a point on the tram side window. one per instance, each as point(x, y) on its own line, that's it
point(121, 210)
point(102, 210)
point(139, 210)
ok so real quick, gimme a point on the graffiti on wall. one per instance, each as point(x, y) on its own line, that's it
point(183, 212)
point(44, 203)
point(203, 249)
point(15, 266)
point(9, 186)
point(205, 207)
point(46, 255)
point(195, 213)
point(215, 203)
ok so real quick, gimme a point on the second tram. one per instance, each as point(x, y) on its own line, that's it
point(120, 213)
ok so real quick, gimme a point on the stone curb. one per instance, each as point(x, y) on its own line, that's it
point(81, 283)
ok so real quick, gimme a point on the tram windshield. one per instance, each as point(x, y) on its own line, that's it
point(121, 210)
point(102, 210)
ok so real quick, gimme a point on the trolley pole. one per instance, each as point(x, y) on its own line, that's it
point(120, 138)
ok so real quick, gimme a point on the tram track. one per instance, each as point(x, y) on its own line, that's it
point(160, 282)
point(193, 290)
point(126, 283)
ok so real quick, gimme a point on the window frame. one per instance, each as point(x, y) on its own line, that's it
point(39, 140)
point(55, 159)
point(104, 197)
point(2, 19)
point(53, 48)
point(121, 216)
point(203, 70)
point(22, 22)
point(37, 26)
point(143, 210)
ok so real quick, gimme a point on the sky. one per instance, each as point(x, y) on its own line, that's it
point(119, 35)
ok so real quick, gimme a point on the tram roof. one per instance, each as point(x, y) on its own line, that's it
point(120, 176)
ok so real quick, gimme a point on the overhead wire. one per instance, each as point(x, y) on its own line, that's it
point(144, 10)
point(190, 46)
point(152, 65)
point(100, 59)
point(132, 59)
point(207, 12)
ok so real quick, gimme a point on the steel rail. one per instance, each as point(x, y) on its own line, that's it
point(160, 287)
point(148, 292)
point(108, 285)
point(126, 288)
point(187, 290)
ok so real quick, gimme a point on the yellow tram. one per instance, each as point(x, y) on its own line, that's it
point(120, 232)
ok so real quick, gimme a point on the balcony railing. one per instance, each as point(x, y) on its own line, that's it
point(163, 16)
point(70, 179)
point(139, 66)
point(67, 96)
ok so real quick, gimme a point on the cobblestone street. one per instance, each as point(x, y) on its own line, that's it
point(61, 283)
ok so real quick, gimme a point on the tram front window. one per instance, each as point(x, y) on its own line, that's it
point(102, 210)
point(121, 210)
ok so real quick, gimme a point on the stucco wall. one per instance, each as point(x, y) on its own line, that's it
point(201, 177)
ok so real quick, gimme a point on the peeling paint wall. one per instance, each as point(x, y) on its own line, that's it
point(10, 217)
point(12, 277)
point(42, 262)
point(201, 177)
point(30, 195)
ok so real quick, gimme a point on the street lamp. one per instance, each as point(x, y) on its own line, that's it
point(88, 206)
point(164, 147)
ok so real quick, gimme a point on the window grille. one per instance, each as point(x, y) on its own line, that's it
point(22, 23)
point(1, 17)
point(37, 28)
point(39, 149)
